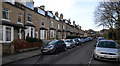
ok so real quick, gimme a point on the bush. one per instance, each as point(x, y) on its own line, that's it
point(30, 39)
point(118, 41)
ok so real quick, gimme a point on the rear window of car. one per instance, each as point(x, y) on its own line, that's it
point(107, 44)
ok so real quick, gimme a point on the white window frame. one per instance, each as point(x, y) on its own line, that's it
point(21, 19)
point(4, 34)
point(30, 17)
point(58, 26)
point(19, 34)
point(42, 34)
point(52, 33)
point(28, 32)
point(36, 34)
point(42, 22)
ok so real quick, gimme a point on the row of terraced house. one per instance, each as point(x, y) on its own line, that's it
point(21, 19)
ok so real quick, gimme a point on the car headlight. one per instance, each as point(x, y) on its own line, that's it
point(97, 51)
point(67, 44)
point(118, 53)
point(52, 46)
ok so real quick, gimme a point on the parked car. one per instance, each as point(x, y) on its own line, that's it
point(82, 40)
point(77, 41)
point(86, 39)
point(107, 50)
point(100, 38)
point(54, 47)
point(69, 43)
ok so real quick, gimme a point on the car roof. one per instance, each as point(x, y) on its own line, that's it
point(108, 40)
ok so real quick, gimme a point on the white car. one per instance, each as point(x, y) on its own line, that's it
point(107, 50)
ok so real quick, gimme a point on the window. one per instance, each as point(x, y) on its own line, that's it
point(43, 21)
point(5, 14)
point(64, 27)
point(1, 30)
point(8, 34)
point(31, 32)
point(19, 34)
point(29, 18)
point(36, 34)
point(20, 18)
point(58, 26)
point(52, 33)
point(41, 11)
point(43, 34)
point(51, 23)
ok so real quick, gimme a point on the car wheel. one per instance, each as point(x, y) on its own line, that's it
point(54, 51)
point(65, 49)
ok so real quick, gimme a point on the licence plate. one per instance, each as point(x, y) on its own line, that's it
point(108, 56)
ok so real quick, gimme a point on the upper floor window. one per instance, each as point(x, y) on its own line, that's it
point(19, 17)
point(51, 23)
point(58, 26)
point(43, 22)
point(50, 14)
point(11, 1)
point(29, 18)
point(5, 14)
point(41, 11)
point(30, 5)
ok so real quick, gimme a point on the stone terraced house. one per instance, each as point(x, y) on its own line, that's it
point(19, 20)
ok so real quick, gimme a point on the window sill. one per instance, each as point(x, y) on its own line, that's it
point(5, 41)
point(19, 23)
point(5, 20)
point(29, 22)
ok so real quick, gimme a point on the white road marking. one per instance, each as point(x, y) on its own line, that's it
point(90, 62)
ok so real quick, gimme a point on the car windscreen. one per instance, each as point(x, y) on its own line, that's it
point(107, 44)
point(67, 41)
point(76, 40)
point(52, 42)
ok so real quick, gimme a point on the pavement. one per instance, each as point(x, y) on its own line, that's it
point(80, 55)
point(20, 56)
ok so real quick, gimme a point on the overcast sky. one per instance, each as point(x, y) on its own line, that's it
point(80, 11)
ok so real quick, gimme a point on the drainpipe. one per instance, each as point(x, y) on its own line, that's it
point(24, 21)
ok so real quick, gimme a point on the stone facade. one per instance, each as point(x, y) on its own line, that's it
point(36, 23)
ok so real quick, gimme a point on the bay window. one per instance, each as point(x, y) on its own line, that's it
point(43, 34)
point(52, 33)
point(1, 33)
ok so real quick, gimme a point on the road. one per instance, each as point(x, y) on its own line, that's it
point(79, 55)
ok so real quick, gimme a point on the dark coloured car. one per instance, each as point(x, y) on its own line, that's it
point(54, 47)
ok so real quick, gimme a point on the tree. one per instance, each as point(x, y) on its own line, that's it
point(107, 14)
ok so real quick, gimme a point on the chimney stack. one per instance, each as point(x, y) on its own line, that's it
point(74, 23)
point(56, 14)
point(69, 21)
point(42, 7)
point(61, 16)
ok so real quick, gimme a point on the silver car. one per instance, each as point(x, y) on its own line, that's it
point(107, 50)
point(69, 43)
